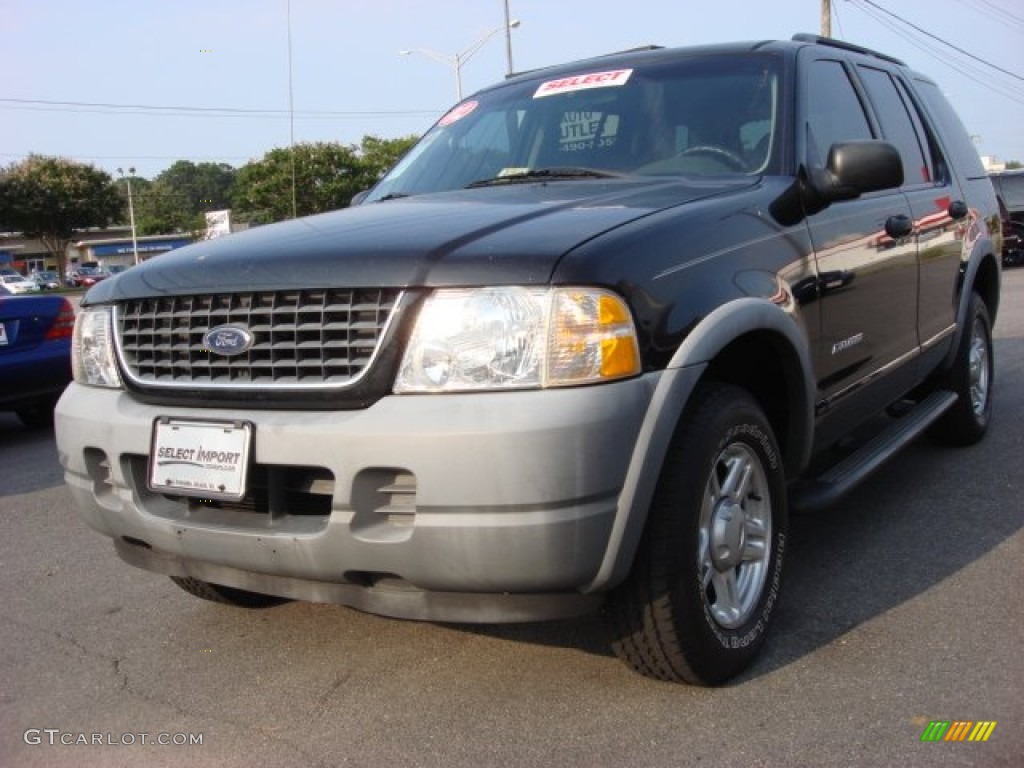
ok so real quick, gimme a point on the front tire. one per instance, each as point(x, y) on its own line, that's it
point(698, 602)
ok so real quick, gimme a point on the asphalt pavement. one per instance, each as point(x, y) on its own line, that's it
point(901, 606)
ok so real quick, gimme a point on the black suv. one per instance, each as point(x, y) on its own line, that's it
point(1009, 186)
point(587, 344)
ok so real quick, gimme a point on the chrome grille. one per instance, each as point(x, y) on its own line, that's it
point(313, 338)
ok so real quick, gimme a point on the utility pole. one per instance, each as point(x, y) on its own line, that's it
point(508, 42)
point(826, 18)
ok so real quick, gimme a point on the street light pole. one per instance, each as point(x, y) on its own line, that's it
point(457, 60)
point(131, 211)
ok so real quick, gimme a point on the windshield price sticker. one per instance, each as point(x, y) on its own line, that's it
point(614, 77)
point(3, 335)
point(197, 458)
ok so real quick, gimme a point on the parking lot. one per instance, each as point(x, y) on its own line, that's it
point(902, 606)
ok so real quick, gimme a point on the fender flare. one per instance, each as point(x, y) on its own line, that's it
point(982, 255)
point(671, 394)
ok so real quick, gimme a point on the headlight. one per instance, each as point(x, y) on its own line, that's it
point(518, 338)
point(92, 349)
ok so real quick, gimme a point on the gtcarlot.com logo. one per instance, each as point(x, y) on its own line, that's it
point(55, 736)
point(958, 730)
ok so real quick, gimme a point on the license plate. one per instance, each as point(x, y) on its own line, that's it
point(208, 459)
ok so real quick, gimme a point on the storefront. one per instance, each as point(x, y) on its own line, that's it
point(120, 252)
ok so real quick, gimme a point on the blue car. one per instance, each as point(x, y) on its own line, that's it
point(35, 355)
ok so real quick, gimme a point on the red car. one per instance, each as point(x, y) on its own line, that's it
point(85, 277)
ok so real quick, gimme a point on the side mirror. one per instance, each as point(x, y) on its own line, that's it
point(854, 168)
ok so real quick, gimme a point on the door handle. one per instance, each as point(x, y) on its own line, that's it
point(957, 209)
point(899, 226)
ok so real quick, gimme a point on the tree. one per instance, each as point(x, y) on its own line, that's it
point(1013, 165)
point(178, 199)
point(160, 209)
point(379, 155)
point(327, 176)
point(204, 186)
point(50, 198)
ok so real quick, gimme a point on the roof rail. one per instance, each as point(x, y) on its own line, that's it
point(806, 38)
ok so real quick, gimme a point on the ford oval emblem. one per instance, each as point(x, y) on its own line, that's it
point(228, 340)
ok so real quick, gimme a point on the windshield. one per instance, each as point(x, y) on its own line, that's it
point(707, 115)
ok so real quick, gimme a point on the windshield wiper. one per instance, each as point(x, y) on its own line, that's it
point(534, 174)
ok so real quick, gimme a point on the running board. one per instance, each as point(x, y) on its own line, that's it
point(840, 478)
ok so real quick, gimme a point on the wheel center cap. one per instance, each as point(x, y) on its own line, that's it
point(728, 535)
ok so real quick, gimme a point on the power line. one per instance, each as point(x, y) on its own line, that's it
point(119, 113)
point(944, 42)
point(995, 12)
point(73, 106)
point(966, 69)
point(209, 158)
point(839, 24)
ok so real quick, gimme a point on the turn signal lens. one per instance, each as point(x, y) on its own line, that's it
point(592, 338)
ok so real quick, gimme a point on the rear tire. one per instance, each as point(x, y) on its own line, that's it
point(218, 593)
point(697, 604)
point(971, 378)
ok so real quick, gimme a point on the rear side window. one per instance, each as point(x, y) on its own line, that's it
point(897, 124)
point(835, 113)
point(954, 136)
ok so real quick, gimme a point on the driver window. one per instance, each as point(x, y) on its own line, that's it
point(834, 111)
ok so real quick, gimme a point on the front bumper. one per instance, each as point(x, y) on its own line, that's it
point(485, 507)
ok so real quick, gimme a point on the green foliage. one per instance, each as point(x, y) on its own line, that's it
point(50, 197)
point(178, 198)
point(1013, 165)
point(327, 176)
point(379, 155)
point(204, 186)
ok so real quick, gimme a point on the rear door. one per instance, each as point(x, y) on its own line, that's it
point(933, 197)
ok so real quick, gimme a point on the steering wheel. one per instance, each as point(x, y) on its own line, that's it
point(721, 154)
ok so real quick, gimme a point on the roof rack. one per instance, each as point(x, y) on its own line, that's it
point(806, 38)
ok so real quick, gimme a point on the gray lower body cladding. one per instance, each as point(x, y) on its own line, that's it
point(486, 507)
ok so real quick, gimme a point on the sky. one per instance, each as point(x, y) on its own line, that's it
point(146, 78)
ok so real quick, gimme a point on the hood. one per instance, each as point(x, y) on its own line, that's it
point(509, 234)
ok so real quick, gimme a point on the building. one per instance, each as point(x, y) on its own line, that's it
point(107, 247)
point(120, 251)
point(992, 163)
